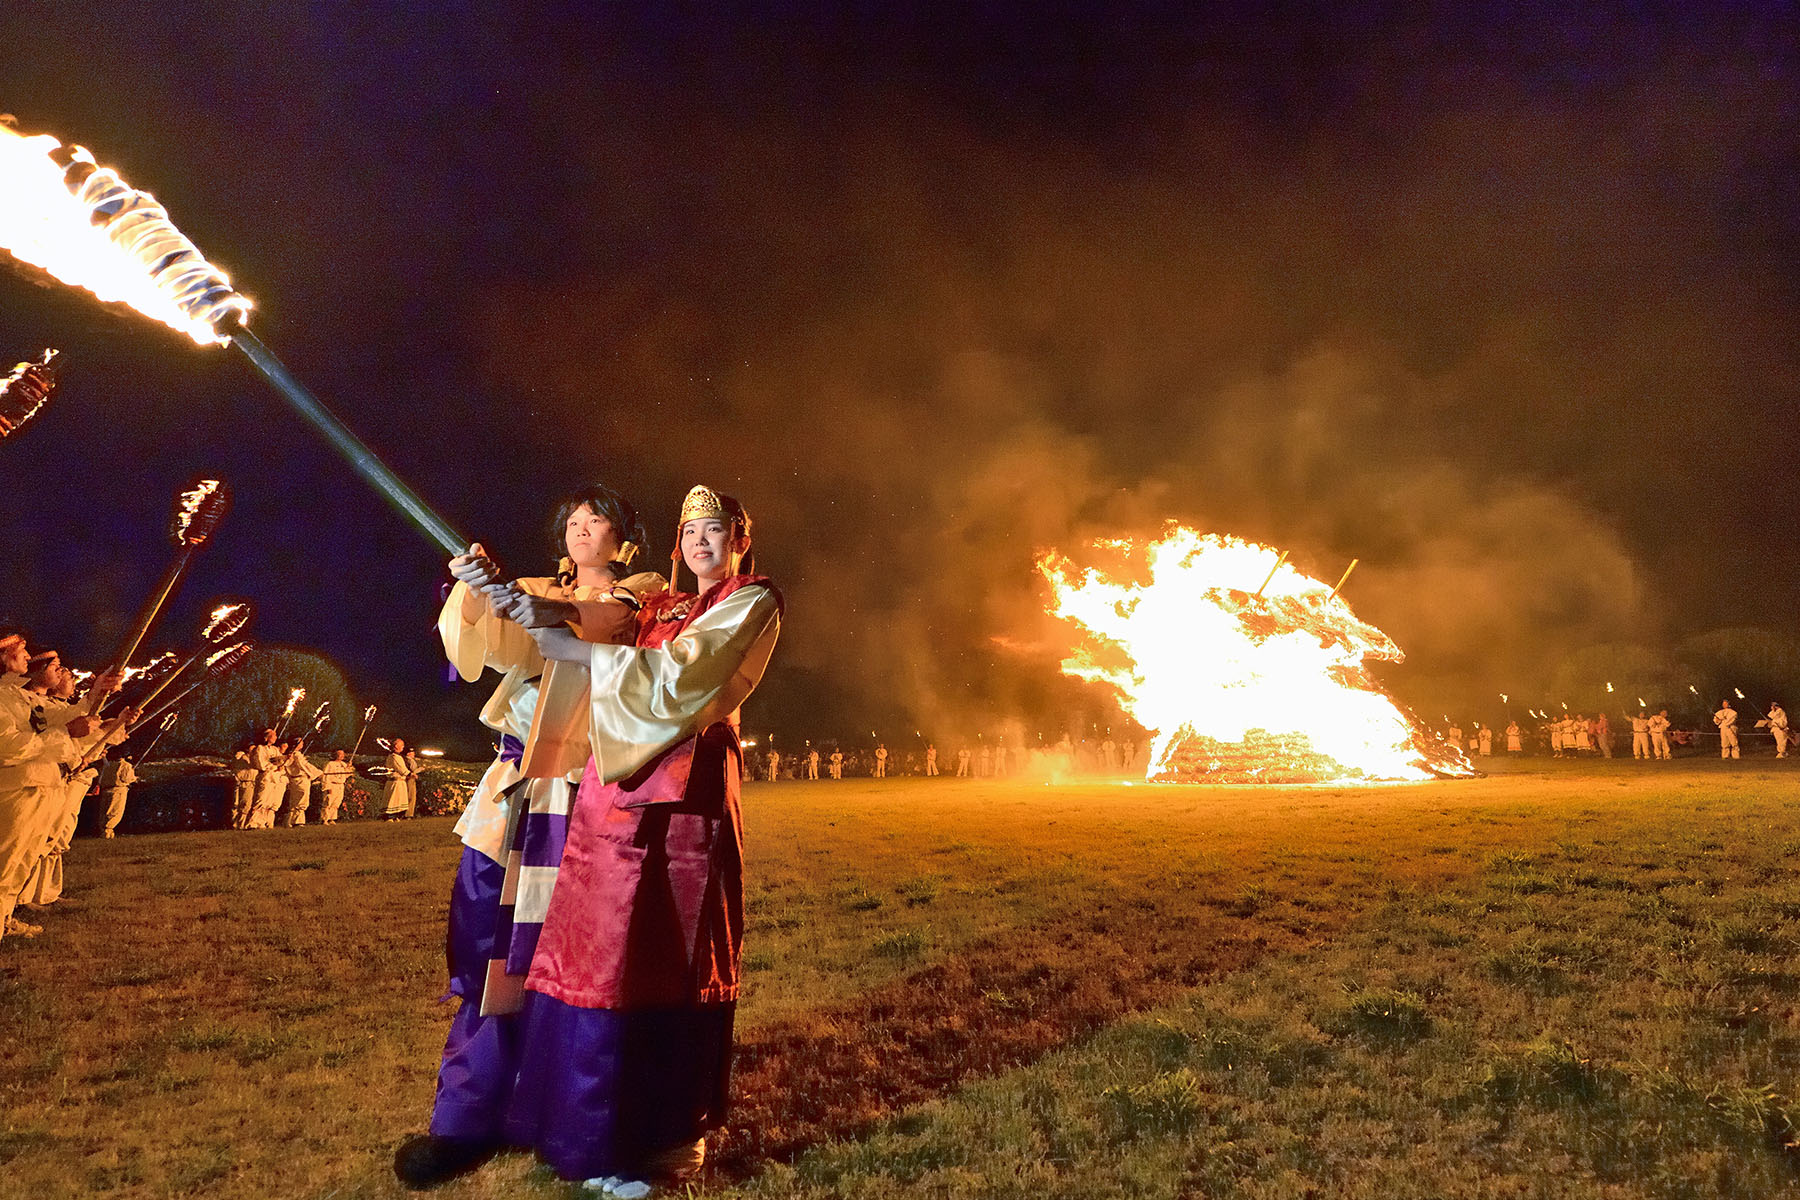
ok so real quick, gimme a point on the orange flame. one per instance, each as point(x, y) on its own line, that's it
point(1239, 685)
point(62, 212)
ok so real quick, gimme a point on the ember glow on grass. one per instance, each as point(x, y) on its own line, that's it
point(1223, 643)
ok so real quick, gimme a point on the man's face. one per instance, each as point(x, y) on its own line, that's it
point(15, 657)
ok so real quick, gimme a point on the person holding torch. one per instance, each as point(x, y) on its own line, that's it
point(632, 991)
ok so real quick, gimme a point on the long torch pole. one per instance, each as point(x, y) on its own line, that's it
point(367, 721)
point(363, 459)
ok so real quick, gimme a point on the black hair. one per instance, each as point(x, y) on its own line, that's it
point(604, 502)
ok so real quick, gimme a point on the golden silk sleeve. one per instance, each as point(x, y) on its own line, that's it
point(487, 641)
point(646, 699)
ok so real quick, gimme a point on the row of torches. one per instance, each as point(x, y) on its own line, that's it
point(72, 218)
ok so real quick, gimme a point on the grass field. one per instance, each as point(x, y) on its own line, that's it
point(1568, 979)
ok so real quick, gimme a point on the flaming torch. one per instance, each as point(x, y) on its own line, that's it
point(221, 664)
point(1241, 682)
point(25, 390)
point(294, 697)
point(168, 723)
point(368, 720)
point(226, 622)
point(320, 716)
point(197, 514)
point(63, 212)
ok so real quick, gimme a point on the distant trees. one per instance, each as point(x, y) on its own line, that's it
point(1765, 664)
point(224, 714)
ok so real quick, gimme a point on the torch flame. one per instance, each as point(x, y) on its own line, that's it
point(64, 213)
point(227, 658)
point(226, 621)
point(294, 697)
point(1217, 670)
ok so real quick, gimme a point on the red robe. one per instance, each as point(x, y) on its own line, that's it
point(648, 909)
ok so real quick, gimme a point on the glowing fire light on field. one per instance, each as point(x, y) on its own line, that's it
point(1235, 683)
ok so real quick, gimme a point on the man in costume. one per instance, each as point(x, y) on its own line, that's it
point(812, 762)
point(56, 684)
point(243, 798)
point(1726, 719)
point(300, 775)
point(1777, 723)
point(881, 757)
point(1603, 735)
point(931, 760)
point(1640, 735)
point(271, 781)
point(633, 987)
point(837, 764)
point(1659, 734)
point(333, 778)
point(33, 752)
point(514, 826)
point(116, 778)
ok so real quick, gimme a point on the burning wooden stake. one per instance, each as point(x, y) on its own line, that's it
point(1345, 577)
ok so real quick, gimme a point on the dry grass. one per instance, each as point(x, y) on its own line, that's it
point(1565, 982)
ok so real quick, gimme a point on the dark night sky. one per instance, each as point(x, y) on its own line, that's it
point(1499, 298)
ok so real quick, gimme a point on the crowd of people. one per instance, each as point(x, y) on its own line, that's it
point(1653, 737)
point(53, 749)
point(982, 760)
point(275, 783)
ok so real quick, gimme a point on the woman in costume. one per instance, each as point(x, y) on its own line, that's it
point(393, 793)
point(512, 830)
point(631, 994)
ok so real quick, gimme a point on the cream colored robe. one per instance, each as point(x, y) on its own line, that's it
point(332, 780)
point(543, 706)
point(647, 699)
point(394, 793)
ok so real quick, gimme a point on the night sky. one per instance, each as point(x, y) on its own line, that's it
point(1501, 299)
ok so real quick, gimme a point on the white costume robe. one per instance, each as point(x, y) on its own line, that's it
point(116, 778)
point(1640, 737)
point(300, 775)
point(1659, 735)
point(271, 785)
point(32, 788)
point(332, 780)
point(243, 795)
point(45, 883)
point(812, 764)
point(881, 762)
point(1514, 742)
point(1777, 722)
point(1726, 720)
point(931, 760)
point(394, 792)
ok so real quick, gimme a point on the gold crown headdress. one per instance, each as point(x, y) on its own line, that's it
point(701, 502)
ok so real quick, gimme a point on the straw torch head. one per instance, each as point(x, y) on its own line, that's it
point(198, 511)
point(64, 213)
point(227, 621)
point(228, 659)
point(24, 390)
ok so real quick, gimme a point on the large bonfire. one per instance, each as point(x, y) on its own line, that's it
point(1244, 668)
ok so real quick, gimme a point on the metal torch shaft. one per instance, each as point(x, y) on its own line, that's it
point(363, 459)
point(144, 754)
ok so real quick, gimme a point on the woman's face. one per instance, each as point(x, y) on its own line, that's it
point(590, 538)
point(707, 548)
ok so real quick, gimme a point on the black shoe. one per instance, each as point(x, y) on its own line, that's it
point(426, 1160)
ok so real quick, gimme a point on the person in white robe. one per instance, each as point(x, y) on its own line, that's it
point(1487, 741)
point(837, 764)
point(271, 781)
point(1726, 719)
point(812, 764)
point(1640, 735)
point(56, 683)
point(395, 793)
point(881, 757)
point(333, 778)
point(1515, 741)
point(772, 766)
point(1659, 734)
point(1777, 723)
point(116, 778)
point(243, 795)
point(297, 796)
point(931, 767)
point(32, 788)
point(541, 712)
point(412, 784)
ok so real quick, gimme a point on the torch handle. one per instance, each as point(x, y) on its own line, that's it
point(144, 754)
point(159, 689)
point(147, 615)
point(363, 459)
